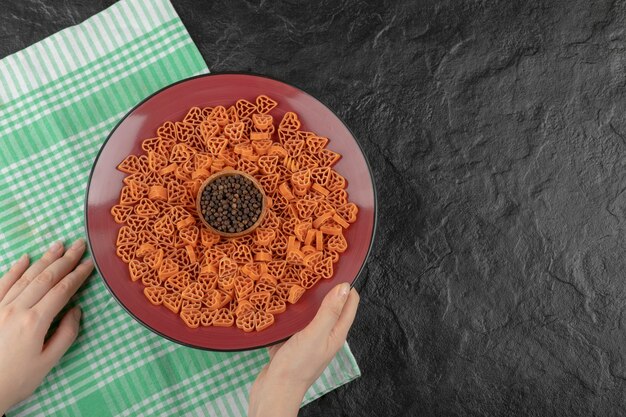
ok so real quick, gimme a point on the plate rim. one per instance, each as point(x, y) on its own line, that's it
point(145, 99)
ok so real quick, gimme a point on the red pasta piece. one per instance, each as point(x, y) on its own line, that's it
point(184, 131)
point(312, 258)
point(180, 153)
point(276, 269)
point(146, 208)
point(226, 282)
point(177, 282)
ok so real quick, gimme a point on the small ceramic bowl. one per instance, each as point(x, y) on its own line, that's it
point(228, 173)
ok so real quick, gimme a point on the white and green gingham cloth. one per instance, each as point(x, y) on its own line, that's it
point(59, 99)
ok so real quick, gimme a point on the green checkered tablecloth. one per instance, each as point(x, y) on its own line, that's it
point(59, 99)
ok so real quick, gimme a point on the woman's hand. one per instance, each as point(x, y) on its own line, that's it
point(30, 298)
point(297, 363)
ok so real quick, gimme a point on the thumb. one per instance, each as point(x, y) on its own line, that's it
point(329, 312)
point(63, 337)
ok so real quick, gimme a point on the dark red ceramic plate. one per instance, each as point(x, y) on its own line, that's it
point(172, 103)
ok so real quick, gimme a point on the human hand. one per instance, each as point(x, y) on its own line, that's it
point(295, 364)
point(30, 298)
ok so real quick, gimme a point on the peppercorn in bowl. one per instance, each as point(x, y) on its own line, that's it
point(175, 268)
point(231, 203)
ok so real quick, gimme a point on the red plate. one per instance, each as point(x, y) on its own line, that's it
point(172, 103)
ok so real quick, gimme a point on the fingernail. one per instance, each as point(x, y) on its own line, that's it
point(77, 313)
point(56, 247)
point(87, 262)
point(79, 244)
point(23, 258)
point(344, 290)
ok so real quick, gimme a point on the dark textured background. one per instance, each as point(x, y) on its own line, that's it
point(497, 136)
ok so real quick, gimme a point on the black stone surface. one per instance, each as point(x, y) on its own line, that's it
point(497, 136)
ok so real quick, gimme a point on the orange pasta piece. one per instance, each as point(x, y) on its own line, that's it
point(295, 293)
point(331, 230)
point(185, 222)
point(284, 190)
point(263, 256)
point(154, 294)
point(191, 253)
point(310, 236)
point(246, 320)
point(322, 219)
point(144, 249)
point(120, 213)
point(319, 240)
point(157, 192)
point(244, 108)
point(263, 320)
point(264, 104)
point(318, 188)
point(191, 317)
